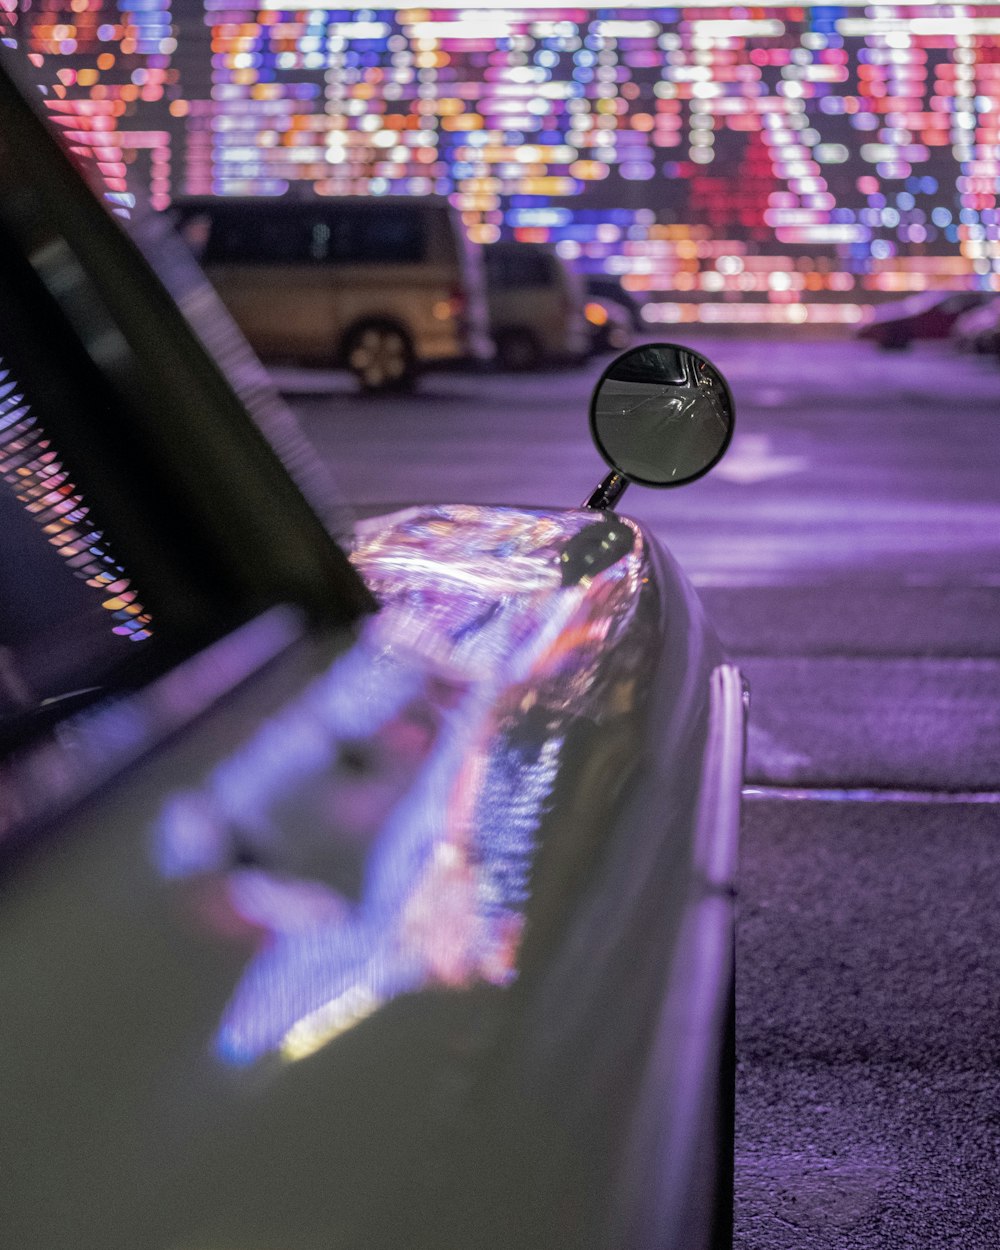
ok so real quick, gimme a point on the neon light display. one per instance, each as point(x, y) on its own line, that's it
point(377, 835)
point(783, 163)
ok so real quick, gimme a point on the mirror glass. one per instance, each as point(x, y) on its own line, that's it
point(662, 415)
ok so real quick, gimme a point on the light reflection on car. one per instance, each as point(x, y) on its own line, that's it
point(377, 835)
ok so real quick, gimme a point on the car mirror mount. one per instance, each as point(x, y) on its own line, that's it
point(661, 415)
point(607, 492)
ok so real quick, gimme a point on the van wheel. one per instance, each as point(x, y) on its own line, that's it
point(518, 350)
point(380, 355)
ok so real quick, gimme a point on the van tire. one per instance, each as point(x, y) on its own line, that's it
point(380, 355)
point(518, 350)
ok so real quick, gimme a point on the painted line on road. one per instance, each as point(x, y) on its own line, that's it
point(825, 795)
point(751, 460)
point(795, 580)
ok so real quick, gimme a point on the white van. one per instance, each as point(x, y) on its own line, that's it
point(536, 306)
point(384, 287)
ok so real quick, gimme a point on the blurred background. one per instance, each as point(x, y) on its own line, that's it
point(730, 165)
point(808, 194)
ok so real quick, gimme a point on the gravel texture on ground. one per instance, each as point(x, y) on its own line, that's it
point(868, 1028)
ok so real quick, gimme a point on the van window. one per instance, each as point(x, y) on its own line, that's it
point(510, 268)
point(291, 234)
point(68, 610)
point(384, 234)
point(250, 236)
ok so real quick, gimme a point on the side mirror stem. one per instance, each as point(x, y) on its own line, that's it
point(608, 493)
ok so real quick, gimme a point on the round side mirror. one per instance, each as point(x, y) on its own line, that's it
point(662, 415)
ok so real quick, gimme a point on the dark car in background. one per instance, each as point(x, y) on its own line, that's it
point(978, 330)
point(929, 315)
point(536, 306)
point(366, 883)
point(614, 314)
point(609, 290)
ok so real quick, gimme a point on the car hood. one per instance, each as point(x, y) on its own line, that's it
point(397, 916)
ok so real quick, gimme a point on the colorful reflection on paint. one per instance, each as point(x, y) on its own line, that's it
point(377, 836)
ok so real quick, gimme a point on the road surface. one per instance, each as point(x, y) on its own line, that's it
point(848, 549)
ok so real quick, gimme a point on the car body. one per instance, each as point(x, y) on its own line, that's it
point(610, 324)
point(328, 926)
point(978, 330)
point(386, 288)
point(536, 305)
point(929, 315)
point(622, 320)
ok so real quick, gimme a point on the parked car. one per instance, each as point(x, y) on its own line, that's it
point(929, 315)
point(374, 892)
point(606, 287)
point(384, 287)
point(610, 325)
point(978, 330)
point(536, 306)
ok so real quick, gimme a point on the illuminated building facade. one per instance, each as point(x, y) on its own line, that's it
point(781, 163)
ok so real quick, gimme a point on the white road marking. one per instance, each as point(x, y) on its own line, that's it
point(751, 460)
point(830, 795)
point(769, 754)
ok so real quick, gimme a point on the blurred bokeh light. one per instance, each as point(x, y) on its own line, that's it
point(780, 163)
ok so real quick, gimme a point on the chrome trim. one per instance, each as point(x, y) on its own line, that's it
point(718, 821)
point(668, 1198)
point(871, 794)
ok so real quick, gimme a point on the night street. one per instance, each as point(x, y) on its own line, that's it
point(388, 874)
point(847, 549)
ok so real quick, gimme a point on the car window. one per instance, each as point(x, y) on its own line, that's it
point(296, 234)
point(70, 615)
point(261, 236)
point(509, 268)
point(961, 302)
point(660, 364)
point(383, 235)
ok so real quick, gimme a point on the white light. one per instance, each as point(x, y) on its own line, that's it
point(855, 26)
point(831, 153)
point(875, 152)
point(627, 30)
point(662, 314)
point(484, 26)
point(723, 28)
point(358, 30)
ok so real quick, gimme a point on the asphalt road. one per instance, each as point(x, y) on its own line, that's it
point(848, 549)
